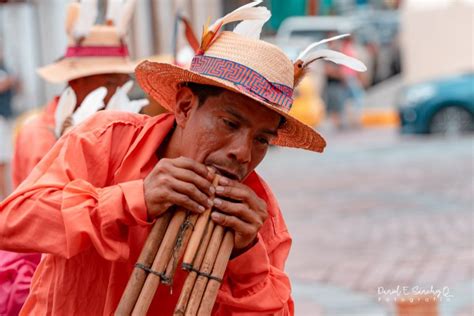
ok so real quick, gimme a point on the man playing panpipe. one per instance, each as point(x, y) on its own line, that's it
point(89, 204)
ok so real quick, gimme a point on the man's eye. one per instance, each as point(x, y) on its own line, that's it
point(231, 124)
point(263, 140)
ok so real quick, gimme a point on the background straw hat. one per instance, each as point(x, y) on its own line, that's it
point(98, 49)
point(254, 68)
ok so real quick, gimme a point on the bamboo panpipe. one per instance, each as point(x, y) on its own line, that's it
point(137, 279)
point(206, 268)
point(179, 248)
point(197, 235)
point(180, 308)
point(159, 264)
point(213, 285)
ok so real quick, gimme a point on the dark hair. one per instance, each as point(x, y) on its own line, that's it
point(203, 91)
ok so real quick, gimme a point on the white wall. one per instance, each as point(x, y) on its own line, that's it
point(437, 40)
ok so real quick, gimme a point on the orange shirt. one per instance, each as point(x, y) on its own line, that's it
point(35, 138)
point(83, 205)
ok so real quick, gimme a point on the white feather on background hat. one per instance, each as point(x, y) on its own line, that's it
point(125, 17)
point(114, 8)
point(93, 102)
point(66, 104)
point(87, 16)
point(120, 101)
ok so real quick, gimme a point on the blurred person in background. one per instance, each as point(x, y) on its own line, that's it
point(336, 91)
point(7, 88)
point(354, 87)
point(96, 68)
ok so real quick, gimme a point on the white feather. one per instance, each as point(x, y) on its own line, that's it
point(93, 102)
point(114, 11)
point(134, 106)
point(253, 28)
point(125, 17)
point(335, 57)
point(120, 101)
point(87, 18)
point(245, 12)
point(66, 104)
point(313, 45)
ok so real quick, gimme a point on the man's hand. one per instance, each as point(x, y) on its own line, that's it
point(245, 214)
point(181, 181)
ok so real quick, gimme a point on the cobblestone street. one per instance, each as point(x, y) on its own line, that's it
point(377, 211)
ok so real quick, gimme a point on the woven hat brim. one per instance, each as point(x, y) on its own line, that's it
point(72, 68)
point(161, 81)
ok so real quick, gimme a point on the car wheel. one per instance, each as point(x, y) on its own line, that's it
point(451, 120)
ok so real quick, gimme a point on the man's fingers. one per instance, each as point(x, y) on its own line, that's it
point(232, 222)
point(191, 177)
point(192, 192)
point(240, 192)
point(185, 202)
point(239, 210)
point(199, 168)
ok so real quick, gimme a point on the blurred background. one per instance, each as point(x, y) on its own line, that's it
point(383, 220)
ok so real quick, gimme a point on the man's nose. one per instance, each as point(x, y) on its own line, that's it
point(241, 149)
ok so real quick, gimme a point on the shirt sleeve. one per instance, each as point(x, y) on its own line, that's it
point(65, 206)
point(255, 281)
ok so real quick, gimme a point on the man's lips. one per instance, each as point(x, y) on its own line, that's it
point(227, 173)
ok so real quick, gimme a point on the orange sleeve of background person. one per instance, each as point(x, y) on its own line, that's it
point(84, 206)
point(34, 139)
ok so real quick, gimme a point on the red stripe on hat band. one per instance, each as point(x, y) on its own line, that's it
point(245, 79)
point(97, 51)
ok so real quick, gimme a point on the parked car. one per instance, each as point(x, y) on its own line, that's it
point(441, 106)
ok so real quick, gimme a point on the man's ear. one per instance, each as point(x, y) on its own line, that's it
point(186, 101)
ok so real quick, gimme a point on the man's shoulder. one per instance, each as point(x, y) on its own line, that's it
point(30, 124)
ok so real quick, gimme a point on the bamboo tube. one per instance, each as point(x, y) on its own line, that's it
point(198, 234)
point(180, 308)
point(159, 264)
point(206, 268)
point(138, 276)
point(220, 266)
point(179, 248)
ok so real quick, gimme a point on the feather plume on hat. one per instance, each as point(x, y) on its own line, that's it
point(112, 15)
point(86, 18)
point(66, 104)
point(125, 16)
point(189, 33)
point(306, 57)
point(71, 17)
point(93, 102)
point(120, 101)
point(252, 18)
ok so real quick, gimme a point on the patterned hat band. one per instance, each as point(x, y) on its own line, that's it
point(245, 79)
point(97, 51)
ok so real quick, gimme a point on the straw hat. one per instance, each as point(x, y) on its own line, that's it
point(240, 62)
point(92, 49)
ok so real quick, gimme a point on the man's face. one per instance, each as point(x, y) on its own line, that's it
point(229, 132)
